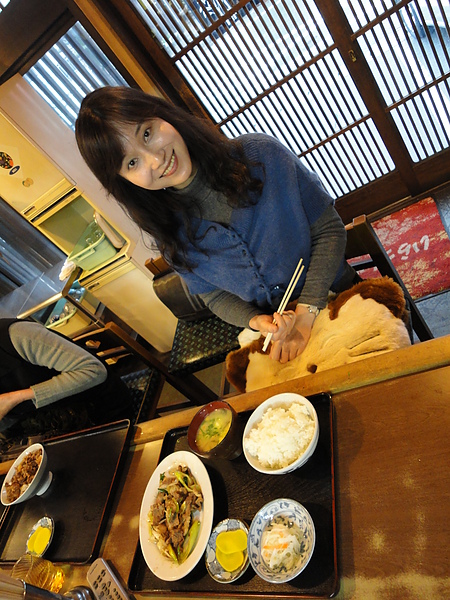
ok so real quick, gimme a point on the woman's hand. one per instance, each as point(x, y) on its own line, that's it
point(294, 342)
point(279, 329)
point(9, 400)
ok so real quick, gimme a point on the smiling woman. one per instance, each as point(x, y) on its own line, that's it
point(155, 156)
point(209, 201)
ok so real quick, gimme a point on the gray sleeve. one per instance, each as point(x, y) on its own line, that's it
point(230, 308)
point(78, 369)
point(328, 239)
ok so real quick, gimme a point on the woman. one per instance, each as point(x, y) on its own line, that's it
point(233, 217)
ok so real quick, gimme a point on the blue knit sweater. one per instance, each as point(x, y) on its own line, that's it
point(256, 255)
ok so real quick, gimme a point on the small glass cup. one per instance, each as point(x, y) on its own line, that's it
point(39, 572)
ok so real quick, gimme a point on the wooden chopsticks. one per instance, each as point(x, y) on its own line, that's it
point(287, 295)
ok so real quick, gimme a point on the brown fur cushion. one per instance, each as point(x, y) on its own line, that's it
point(366, 320)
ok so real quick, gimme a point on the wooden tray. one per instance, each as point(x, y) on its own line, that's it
point(239, 492)
point(84, 466)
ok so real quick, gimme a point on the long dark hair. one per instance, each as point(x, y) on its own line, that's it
point(159, 212)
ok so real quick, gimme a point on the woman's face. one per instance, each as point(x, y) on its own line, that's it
point(156, 156)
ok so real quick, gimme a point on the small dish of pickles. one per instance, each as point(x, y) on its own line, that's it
point(226, 554)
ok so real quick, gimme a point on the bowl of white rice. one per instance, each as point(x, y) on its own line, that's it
point(281, 434)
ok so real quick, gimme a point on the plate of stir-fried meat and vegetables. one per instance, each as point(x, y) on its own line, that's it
point(176, 516)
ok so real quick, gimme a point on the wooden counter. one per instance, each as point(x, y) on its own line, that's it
point(392, 476)
point(424, 356)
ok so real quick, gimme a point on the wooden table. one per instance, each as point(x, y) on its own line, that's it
point(392, 475)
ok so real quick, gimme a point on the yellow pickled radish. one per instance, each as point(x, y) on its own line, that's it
point(230, 562)
point(38, 540)
point(231, 541)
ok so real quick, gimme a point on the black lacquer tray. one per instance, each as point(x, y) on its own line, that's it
point(240, 491)
point(84, 466)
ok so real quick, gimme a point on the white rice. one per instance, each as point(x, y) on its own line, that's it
point(282, 435)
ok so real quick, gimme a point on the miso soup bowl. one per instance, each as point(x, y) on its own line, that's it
point(231, 445)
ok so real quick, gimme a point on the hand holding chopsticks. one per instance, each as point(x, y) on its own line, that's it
point(287, 296)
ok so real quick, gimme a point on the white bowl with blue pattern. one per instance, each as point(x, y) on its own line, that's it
point(295, 513)
point(213, 566)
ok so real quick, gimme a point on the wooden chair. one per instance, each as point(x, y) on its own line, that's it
point(364, 251)
point(113, 344)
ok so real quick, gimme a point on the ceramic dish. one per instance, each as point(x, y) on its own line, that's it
point(41, 480)
point(230, 446)
point(280, 401)
point(295, 514)
point(161, 566)
point(217, 572)
point(40, 536)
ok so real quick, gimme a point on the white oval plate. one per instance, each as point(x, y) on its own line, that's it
point(160, 565)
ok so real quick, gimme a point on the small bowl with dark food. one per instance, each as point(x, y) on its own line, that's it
point(216, 431)
point(27, 477)
point(226, 555)
point(281, 540)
